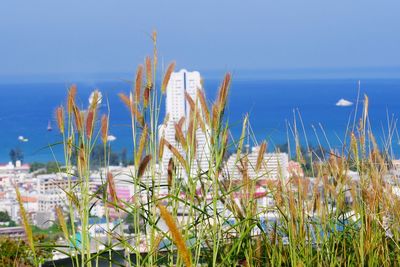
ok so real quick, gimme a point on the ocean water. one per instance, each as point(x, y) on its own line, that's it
point(26, 109)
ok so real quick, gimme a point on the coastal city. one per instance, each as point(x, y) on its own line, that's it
point(199, 133)
point(43, 190)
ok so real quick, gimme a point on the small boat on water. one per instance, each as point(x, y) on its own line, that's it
point(344, 103)
point(23, 139)
point(49, 128)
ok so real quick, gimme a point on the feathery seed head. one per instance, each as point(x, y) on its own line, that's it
point(167, 76)
point(149, 78)
point(78, 118)
point(161, 148)
point(111, 187)
point(143, 165)
point(203, 104)
point(62, 222)
point(134, 111)
point(171, 168)
point(260, 157)
point(60, 118)
point(94, 101)
point(175, 234)
point(104, 128)
point(138, 83)
point(89, 123)
point(142, 143)
point(146, 97)
point(25, 221)
point(71, 98)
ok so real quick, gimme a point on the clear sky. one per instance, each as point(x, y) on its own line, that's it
point(48, 36)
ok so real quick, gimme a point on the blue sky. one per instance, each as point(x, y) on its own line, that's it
point(55, 37)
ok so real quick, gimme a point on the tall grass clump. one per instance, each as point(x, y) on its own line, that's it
point(343, 211)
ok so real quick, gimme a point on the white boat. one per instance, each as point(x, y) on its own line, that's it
point(344, 103)
point(23, 139)
point(111, 138)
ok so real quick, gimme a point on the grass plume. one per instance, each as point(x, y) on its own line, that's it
point(167, 76)
point(60, 119)
point(138, 83)
point(25, 223)
point(149, 77)
point(175, 234)
point(104, 128)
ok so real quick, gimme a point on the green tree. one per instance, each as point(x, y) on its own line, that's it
point(18, 253)
point(310, 155)
point(11, 223)
point(97, 157)
point(34, 166)
point(130, 221)
point(4, 217)
point(52, 167)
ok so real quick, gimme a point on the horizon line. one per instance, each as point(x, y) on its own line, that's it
point(301, 73)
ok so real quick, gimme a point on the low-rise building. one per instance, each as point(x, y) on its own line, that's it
point(51, 192)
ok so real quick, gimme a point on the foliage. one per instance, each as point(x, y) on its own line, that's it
point(97, 157)
point(52, 167)
point(49, 234)
point(14, 253)
point(4, 217)
point(34, 166)
point(18, 253)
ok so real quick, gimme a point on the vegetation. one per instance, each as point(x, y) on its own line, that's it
point(97, 157)
point(14, 253)
point(52, 167)
point(311, 155)
point(50, 234)
point(339, 221)
point(5, 220)
point(4, 217)
point(44, 168)
point(18, 253)
point(35, 166)
point(96, 161)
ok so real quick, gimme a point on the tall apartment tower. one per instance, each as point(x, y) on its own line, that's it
point(178, 107)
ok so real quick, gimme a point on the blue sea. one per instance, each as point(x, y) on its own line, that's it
point(26, 109)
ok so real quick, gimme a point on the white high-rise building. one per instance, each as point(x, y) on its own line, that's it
point(177, 107)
